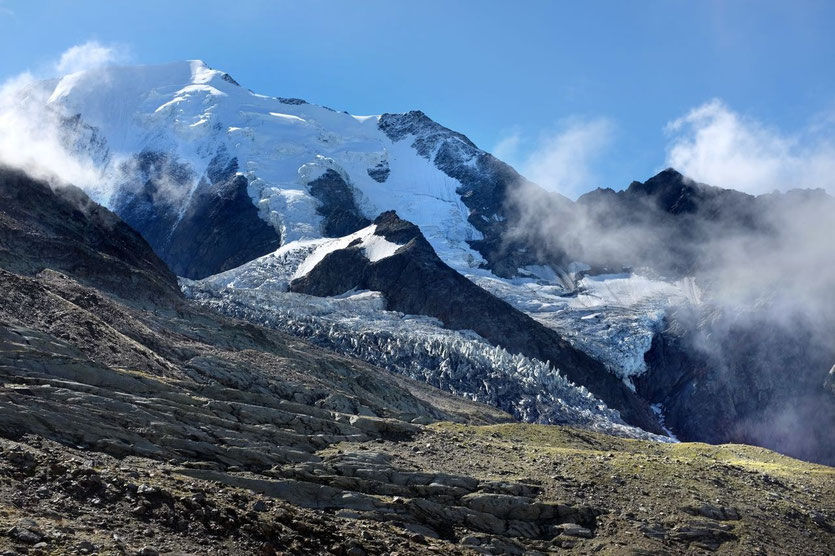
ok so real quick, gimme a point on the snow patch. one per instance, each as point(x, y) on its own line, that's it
point(658, 409)
point(374, 247)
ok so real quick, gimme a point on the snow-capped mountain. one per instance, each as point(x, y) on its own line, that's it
point(173, 143)
point(166, 134)
point(214, 176)
point(261, 202)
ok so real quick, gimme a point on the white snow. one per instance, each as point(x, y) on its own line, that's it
point(378, 248)
point(658, 409)
point(613, 317)
point(374, 247)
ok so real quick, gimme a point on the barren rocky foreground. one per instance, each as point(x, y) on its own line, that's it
point(135, 422)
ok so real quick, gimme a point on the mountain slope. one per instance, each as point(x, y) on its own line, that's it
point(62, 229)
point(187, 140)
point(130, 426)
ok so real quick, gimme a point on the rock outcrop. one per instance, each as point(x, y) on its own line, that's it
point(213, 229)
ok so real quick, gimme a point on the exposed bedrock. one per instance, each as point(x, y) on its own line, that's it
point(216, 229)
point(338, 208)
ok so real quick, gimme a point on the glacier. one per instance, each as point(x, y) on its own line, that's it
point(203, 120)
point(357, 324)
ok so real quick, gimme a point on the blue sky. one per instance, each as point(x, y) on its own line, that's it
point(575, 94)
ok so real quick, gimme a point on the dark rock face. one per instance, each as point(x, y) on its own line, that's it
point(380, 172)
point(338, 206)
point(428, 133)
point(220, 227)
point(220, 230)
point(228, 78)
point(750, 380)
point(63, 230)
point(484, 186)
point(668, 220)
point(671, 192)
point(415, 281)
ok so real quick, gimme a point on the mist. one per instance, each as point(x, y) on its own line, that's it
point(33, 136)
point(42, 139)
point(765, 267)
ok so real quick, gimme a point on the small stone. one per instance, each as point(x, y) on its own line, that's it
point(574, 530)
point(355, 549)
point(148, 551)
point(259, 506)
point(86, 547)
point(145, 490)
point(818, 518)
point(27, 536)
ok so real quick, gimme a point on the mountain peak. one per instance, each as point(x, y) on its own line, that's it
point(663, 180)
point(672, 191)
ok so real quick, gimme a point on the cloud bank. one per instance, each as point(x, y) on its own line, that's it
point(716, 145)
point(36, 138)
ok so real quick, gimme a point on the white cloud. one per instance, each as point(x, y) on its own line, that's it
point(715, 145)
point(89, 55)
point(508, 147)
point(561, 160)
point(33, 135)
